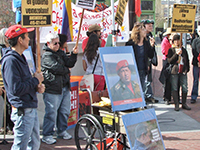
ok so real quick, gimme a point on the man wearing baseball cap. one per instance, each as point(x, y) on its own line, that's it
point(148, 24)
point(125, 88)
point(21, 88)
point(94, 28)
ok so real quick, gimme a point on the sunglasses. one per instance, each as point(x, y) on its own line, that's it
point(56, 43)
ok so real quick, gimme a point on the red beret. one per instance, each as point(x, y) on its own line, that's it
point(122, 63)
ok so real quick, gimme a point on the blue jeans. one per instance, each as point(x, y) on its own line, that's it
point(181, 79)
point(142, 74)
point(57, 111)
point(26, 130)
point(195, 88)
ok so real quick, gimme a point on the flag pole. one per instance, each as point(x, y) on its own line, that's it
point(113, 24)
point(38, 49)
point(79, 30)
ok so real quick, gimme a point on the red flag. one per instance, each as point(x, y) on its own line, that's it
point(137, 8)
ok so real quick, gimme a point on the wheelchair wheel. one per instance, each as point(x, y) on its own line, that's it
point(89, 134)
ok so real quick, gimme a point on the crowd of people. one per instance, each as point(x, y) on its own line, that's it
point(21, 86)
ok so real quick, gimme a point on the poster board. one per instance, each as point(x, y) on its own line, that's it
point(36, 13)
point(183, 18)
point(143, 125)
point(119, 16)
point(74, 113)
point(122, 98)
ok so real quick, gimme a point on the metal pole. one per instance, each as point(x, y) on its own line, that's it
point(113, 24)
point(167, 13)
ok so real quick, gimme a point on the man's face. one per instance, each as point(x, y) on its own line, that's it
point(54, 44)
point(145, 138)
point(125, 75)
point(25, 41)
point(149, 27)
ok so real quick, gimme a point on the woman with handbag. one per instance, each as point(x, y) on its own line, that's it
point(178, 57)
point(92, 63)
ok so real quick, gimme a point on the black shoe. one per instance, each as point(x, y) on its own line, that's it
point(167, 102)
point(192, 101)
point(185, 106)
point(152, 100)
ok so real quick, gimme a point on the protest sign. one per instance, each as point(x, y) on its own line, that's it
point(36, 13)
point(183, 18)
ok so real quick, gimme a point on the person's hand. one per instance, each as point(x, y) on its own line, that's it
point(198, 64)
point(1, 90)
point(41, 88)
point(179, 51)
point(39, 76)
point(152, 41)
point(75, 50)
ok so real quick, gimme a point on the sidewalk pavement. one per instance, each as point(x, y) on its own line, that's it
point(180, 130)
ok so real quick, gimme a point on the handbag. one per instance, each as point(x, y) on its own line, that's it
point(88, 80)
point(167, 70)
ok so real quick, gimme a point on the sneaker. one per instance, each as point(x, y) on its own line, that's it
point(64, 135)
point(192, 101)
point(48, 140)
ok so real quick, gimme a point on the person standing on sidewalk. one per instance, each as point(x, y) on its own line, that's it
point(178, 57)
point(143, 50)
point(21, 88)
point(148, 24)
point(165, 46)
point(196, 67)
point(55, 66)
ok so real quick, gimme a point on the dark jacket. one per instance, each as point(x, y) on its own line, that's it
point(195, 51)
point(55, 67)
point(19, 84)
point(148, 51)
point(172, 58)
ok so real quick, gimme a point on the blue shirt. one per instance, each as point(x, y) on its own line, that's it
point(141, 55)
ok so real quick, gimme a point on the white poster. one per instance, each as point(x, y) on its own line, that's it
point(103, 18)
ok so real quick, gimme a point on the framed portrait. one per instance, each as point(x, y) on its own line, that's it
point(142, 130)
point(122, 78)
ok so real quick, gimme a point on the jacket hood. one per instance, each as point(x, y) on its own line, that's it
point(10, 52)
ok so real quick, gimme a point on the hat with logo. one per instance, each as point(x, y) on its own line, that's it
point(16, 30)
point(147, 21)
point(94, 27)
point(121, 64)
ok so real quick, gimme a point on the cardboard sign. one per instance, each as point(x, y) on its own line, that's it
point(89, 4)
point(125, 92)
point(119, 17)
point(183, 18)
point(36, 13)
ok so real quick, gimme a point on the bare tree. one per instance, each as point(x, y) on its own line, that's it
point(7, 16)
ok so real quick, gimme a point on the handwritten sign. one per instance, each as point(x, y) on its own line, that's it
point(36, 13)
point(119, 17)
point(87, 4)
point(183, 18)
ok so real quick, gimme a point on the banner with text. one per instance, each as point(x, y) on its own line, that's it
point(103, 18)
